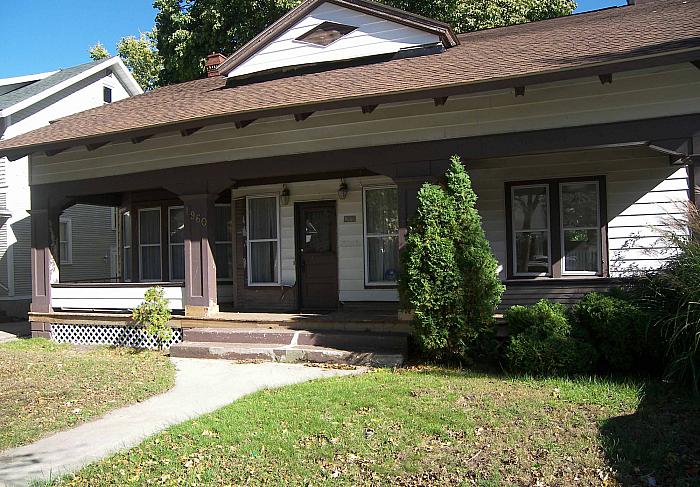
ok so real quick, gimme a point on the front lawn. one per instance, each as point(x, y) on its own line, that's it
point(425, 427)
point(46, 387)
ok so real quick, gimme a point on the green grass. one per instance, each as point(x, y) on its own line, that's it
point(46, 387)
point(413, 427)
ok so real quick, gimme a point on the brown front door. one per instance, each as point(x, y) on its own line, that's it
point(317, 257)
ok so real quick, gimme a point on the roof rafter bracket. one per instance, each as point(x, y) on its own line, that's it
point(696, 63)
point(243, 123)
point(368, 108)
point(440, 101)
point(53, 152)
point(605, 78)
point(299, 117)
point(519, 90)
point(95, 146)
point(190, 131)
point(141, 138)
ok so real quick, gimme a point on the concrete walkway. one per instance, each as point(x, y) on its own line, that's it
point(201, 386)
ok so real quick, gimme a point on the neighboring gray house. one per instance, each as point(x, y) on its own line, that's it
point(30, 102)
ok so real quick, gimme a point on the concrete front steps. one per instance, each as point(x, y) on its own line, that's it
point(281, 345)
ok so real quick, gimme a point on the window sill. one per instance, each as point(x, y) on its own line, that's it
point(543, 281)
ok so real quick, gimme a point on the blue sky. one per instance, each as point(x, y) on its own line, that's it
point(43, 35)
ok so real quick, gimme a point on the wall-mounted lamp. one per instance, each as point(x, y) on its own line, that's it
point(342, 190)
point(284, 195)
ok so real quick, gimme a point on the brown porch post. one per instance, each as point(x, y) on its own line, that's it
point(200, 267)
point(44, 223)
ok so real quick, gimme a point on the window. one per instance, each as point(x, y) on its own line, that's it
point(107, 94)
point(223, 242)
point(325, 33)
point(176, 242)
point(149, 244)
point(263, 240)
point(580, 221)
point(126, 245)
point(381, 236)
point(65, 240)
point(555, 228)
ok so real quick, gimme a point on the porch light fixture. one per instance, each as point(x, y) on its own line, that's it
point(284, 195)
point(342, 190)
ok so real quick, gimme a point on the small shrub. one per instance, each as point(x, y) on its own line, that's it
point(154, 315)
point(617, 328)
point(449, 274)
point(542, 343)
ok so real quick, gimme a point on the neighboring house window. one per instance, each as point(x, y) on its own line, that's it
point(126, 245)
point(149, 244)
point(223, 242)
point(107, 94)
point(555, 228)
point(381, 236)
point(325, 33)
point(176, 242)
point(262, 228)
point(66, 240)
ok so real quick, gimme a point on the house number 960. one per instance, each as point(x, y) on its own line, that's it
point(197, 217)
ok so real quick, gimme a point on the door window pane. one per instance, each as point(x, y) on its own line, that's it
point(263, 262)
point(318, 231)
point(383, 259)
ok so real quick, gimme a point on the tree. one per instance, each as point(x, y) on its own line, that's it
point(140, 55)
point(189, 30)
point(449, 275)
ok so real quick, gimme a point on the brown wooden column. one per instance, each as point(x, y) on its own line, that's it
point(200, 267)
point(44, 255)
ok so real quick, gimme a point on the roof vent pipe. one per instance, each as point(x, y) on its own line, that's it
point(214, 60)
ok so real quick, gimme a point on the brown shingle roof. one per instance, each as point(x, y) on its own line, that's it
point(665, 31)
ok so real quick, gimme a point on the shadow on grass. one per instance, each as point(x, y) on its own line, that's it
point(659, 444)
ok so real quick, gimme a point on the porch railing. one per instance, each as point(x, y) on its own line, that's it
point(111, 295)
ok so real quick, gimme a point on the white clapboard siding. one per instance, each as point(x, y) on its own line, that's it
point(351, 266)
point(373, 36)
point(110, 297)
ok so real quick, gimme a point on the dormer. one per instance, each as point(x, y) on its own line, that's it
point(320, 34)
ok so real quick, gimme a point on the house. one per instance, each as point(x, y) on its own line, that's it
point(285, 180)
point(88, 233)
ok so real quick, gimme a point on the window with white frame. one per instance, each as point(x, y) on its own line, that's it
point(556, 228)
point(149, 245)
point(263, 249)
point(65, 240)
point(126, 246)
point(223, 250)
point(531, 232)
point(381, 226)
point(580, 227)
point(176, 242)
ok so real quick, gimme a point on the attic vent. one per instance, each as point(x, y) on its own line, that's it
point(326, 33)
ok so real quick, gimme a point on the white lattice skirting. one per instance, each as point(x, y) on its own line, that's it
point(122, 336)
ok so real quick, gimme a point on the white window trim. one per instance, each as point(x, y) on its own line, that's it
point(159, 244)
point(176, 244)
point(229, 242)
point(515, 232)
point(126, 245)
point(68, 258)
point(562, 228)
point(249, 241)
point(367, 236)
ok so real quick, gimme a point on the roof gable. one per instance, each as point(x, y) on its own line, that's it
point(353, 29)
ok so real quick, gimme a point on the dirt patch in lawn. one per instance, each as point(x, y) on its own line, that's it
point(46, 387)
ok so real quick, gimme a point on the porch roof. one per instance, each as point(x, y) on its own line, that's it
point(653, 33)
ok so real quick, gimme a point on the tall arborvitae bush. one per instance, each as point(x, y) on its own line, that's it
point(449, 275)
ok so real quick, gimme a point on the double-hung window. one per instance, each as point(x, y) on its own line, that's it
point(66, 240)
point(126, 246)
point(223, 251)
point(555, 228)
point(176, 242)
point(262, 228)
point(381, 220)
point(149, 244)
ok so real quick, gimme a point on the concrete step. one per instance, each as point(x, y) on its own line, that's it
point(278, 352)
point(342, 340)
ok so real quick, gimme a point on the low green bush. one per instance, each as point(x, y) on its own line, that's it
point(154, 314)
point(542, 342)
point(617, 328)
